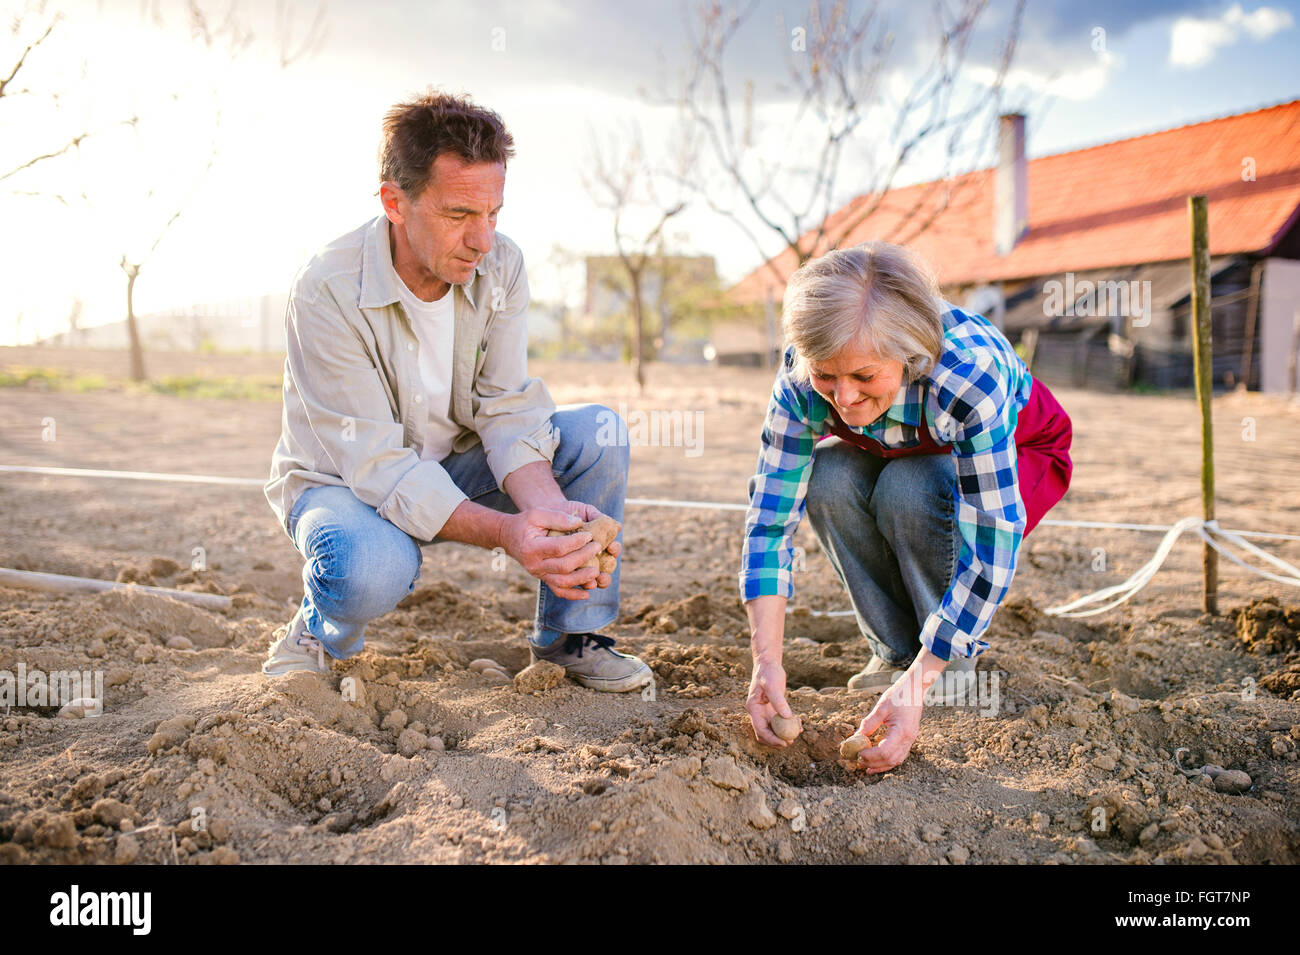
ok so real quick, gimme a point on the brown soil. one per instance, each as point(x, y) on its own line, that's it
point(406, 754)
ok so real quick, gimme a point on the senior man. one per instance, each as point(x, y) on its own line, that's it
point(410, 419)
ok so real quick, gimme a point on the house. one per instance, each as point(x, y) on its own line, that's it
point(1082, 257)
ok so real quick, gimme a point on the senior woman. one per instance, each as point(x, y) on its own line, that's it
point(923, 452)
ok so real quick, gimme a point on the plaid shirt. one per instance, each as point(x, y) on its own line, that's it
point(971, 400)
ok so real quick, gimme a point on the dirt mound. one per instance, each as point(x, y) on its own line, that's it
point(1265, 626)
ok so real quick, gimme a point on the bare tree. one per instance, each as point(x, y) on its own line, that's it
point(39, 44)
point(217, 27)
point(789, 185)
point(627, 183)
point(237, 37)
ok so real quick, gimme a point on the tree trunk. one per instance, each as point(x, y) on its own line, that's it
point(137, 353)
point(638, 319)
point(769, 330)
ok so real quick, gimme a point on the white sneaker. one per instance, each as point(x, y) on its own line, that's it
point(956, 685)
point(876, 675)
point(293, 648)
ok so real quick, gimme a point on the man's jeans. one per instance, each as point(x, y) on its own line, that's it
point(889, 527)
point(360, 566)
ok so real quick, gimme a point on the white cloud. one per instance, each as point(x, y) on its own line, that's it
point(1193, 41)
point(1080, 84)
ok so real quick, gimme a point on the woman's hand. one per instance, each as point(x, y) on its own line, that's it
point(899, 710)
point(767, 681)
point(767, 699)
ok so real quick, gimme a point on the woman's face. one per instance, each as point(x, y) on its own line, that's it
point(858, 383)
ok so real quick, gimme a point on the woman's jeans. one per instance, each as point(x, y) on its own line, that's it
point(889, 528)
point(360, 566)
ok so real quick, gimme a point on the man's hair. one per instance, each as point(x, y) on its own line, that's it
point(420, 130)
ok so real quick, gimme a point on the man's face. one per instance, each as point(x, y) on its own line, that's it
point(442, 235)
point(858, 383)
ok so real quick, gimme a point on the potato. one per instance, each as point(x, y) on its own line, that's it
point(603, 530)
point(851, 747)
point(787, 729)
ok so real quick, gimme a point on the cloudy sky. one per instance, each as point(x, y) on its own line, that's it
point(296, 166)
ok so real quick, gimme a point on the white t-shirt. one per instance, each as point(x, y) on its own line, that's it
point(434, 325)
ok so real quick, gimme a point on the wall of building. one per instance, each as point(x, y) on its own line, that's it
point(1279, 311)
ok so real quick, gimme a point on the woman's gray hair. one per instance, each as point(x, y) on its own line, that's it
point(876, 295)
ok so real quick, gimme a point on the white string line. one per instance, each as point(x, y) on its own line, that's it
point(135, 475)
point(1122, 592)
point(1144, 574)
point(1212, 527)
point(640, 501)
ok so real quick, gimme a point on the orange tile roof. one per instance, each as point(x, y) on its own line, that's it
point(1121, 203)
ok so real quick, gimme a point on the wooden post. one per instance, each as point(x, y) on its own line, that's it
point(1203, 358)
point(1029, 338)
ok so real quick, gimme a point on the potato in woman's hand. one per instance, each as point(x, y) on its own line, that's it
point(851, 747)
point(855, 744)
point(787, 729)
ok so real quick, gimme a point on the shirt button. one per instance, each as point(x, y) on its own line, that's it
point(410, 347)
point(419, 397)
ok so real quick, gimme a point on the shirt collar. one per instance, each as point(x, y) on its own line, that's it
point(378, 276)
point(907, 406)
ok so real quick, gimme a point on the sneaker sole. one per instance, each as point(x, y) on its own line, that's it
point(290, 666)
point(880, 680)
point(625, 685)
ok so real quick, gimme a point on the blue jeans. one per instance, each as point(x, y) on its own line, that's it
point(889, 528)
point(360, 566)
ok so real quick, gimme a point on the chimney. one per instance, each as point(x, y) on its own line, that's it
point(1011, 185)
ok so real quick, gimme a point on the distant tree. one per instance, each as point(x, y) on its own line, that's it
point(218, 27)
point(33, 28)
point(790, 184)
point(237, 37)
point(625, 181)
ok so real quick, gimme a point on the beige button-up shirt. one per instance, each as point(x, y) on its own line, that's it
point(355, 412)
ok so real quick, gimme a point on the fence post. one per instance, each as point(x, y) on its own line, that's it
point(1203, 359)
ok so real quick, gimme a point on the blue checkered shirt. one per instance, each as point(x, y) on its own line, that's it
point(971, 400)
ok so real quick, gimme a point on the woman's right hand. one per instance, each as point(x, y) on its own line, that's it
point(767, 699)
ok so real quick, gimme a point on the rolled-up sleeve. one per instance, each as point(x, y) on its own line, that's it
point(512, 412)
point(341, 393)
point(777, 491)
point(979, 421)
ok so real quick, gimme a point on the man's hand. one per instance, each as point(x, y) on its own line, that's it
point(556, 561)
point(585, 512)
